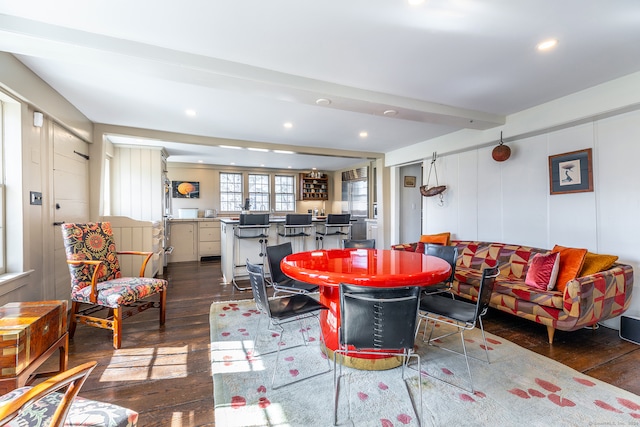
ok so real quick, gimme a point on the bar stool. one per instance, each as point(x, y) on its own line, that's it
point(336, 225)
point(251, 227)
point(296, 227)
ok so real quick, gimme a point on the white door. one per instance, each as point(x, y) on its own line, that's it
point(70, 199)
point(410, 204)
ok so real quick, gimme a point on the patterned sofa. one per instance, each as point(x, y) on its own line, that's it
point(584, 301)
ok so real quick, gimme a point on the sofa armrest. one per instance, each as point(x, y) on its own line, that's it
point(599, 296)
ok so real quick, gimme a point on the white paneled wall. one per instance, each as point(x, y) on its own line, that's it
point(510, 201)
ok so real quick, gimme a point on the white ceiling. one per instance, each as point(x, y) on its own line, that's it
point(248, 66)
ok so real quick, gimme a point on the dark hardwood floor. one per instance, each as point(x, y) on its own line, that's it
point(163, 373)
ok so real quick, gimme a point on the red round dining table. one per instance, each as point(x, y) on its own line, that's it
point(365, 267)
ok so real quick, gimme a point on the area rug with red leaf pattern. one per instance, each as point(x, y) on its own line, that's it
point(518, 387)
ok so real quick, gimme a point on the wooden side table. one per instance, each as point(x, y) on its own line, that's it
point(30, 333)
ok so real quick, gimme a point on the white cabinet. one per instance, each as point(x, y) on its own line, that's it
point(209, 238)
point(183, 238)
point(372, 228)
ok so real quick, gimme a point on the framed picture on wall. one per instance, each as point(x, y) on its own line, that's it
point(571, 172)
point(409, 181)
point(186, 189)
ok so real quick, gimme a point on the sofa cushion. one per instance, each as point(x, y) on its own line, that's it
point(409, 247)
point(595, 263)
point(571, 260)
point(439, 239)
point(521, 292)
point(543, 271)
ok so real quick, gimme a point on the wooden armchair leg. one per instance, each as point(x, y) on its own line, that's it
point(550, 331)
point(117, 327)
point(75, 306)
point(163, 305)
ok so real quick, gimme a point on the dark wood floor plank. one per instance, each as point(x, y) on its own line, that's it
point(164, 372)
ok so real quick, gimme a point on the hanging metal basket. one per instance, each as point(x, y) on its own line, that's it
point(436, 190)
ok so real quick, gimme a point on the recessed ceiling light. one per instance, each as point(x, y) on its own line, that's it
point(547, 44)
point(283, 152)
point(190, 113)
point(390, 112)
point(288, 167)
point(323, 101)
point(232, 163)
point(263, 150)
point(415, 2)
point(200, 161)
point(363, 134)
point(233, 147)
point(288, 125)
point(262, 165)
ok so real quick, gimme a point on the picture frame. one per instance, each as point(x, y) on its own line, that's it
point(185, 189)
point(409, 181)
point(571, 172)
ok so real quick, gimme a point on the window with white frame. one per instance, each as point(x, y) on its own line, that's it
point(285, 193)
point(230, 191)
point(259, 195)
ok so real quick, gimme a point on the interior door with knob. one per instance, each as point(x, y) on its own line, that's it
point(70, 199)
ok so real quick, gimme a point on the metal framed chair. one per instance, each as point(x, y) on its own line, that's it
point(96, 281)
point(377, 321)
point(296, 227)
point(463, 315)
point(280, 281)
point(449, 254)
point(280, 311)
point(359, 244)
point(252, 228)
point(335, 225)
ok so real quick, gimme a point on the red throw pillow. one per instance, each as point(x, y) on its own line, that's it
point(543, 271)
point(571, 260)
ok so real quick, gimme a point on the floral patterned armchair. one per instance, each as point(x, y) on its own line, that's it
point(45, 405)
point(96, 280)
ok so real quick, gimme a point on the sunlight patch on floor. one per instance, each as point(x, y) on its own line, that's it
point(234, 356)
point(147, 364)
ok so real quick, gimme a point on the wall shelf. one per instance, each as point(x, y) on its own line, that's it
point(313, 188)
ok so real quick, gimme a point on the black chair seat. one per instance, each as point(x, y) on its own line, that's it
point(292, 306)
point(295, 286)
point(460, 310)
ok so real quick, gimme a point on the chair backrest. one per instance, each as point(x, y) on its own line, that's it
point(259, 287)
point(339, 219)
point(254, 219)
point(359, 244)
point(90, 241)
point(72, 379)
point(486, 288)
point(447, 253)
point(275, 254)
point(378, 318)
point(297, 219)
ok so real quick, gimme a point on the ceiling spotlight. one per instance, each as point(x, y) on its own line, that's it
point(288, 125)
point(363, 134)
point(547, 44)
point(190, 113)
point(323, 101)
point(390, 113)
point(200, 161)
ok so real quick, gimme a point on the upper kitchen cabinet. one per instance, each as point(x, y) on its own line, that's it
point(137, 179)
point(313, 187)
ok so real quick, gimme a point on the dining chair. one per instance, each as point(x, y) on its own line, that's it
point(377, 321)
point(449, 254)
point(280, 281)
point(283, 310)
point(296, 227)
point(335, 225)
point(359, 244)
point(96, 280)
point(461, 314)
point(47, 404)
